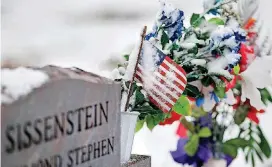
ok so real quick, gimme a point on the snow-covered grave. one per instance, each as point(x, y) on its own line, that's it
point(57, 117)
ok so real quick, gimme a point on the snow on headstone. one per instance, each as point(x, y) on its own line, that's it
point(59, 117)
point(28, 80)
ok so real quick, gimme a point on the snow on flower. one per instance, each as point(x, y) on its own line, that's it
point(171, 19)
point(257, 75)
point(229, 36)
point(218, 66)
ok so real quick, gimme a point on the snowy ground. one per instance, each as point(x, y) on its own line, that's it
point(84, 33)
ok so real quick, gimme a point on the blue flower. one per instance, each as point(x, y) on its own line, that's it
point(228, 37)
point(214, 97)
point(170, 20)
point(199, 101)
point(213, 11)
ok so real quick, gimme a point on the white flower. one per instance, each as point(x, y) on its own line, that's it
point(257, 75)
point(225, 114)
point(230, 99)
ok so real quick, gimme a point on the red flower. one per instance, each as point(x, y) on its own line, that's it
point(181, 131)
point(252, 113)
point(229, 84)
point(174, 117)
point(251, 22)
point(238, 102)
point(248, 26)
point(251, 34)
point(245, 51)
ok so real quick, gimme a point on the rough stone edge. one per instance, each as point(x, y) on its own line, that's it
point(57, 73)
point(138, 161)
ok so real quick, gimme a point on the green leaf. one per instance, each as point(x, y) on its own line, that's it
point(174, 47)
point(207, 81)
point(259, 155)
point(252, 159)
point(196, 20)
point(192, 145)
point(157, 118)
point(193, 50)
point(238, 142)
point(204, 132)
point(182, 106)
point(236, 69)
point(198, 112)
point(139, 97)
point(150, 123)
point(191, 91)
point(164, 39)
point(240, 114)
point(220, 92)
point(265, 96)
point(247, 155)
point(216, 21)
point(188, 125)
point(231, 146)
point(230, 150)
point(126, 57)
point(192, 78)
point(203, 36)
point(139, 125)
point(264, 145)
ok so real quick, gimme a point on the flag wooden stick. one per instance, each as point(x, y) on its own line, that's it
point(135, 68)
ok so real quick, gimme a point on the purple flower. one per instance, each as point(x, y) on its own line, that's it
point(202, 155)
point(229, 159)
point(205, 121)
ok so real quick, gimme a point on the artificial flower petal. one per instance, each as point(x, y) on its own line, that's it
point(249, 91)
point(209, 104)
point(181, 131)
point(174, 117)
point(253, 117)
point(257, 75)
point(230, 99)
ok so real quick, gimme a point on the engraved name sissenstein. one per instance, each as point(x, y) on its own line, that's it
point(21, 136)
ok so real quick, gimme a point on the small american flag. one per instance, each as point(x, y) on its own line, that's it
point(163, 83)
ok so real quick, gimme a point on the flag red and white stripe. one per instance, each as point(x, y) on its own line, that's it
point(165, 85)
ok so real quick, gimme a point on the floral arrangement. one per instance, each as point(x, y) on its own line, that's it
point(227, 74)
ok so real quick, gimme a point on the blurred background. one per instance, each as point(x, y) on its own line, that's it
point(89, 33)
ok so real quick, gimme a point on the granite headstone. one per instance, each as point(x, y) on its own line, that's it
point(71, 120)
